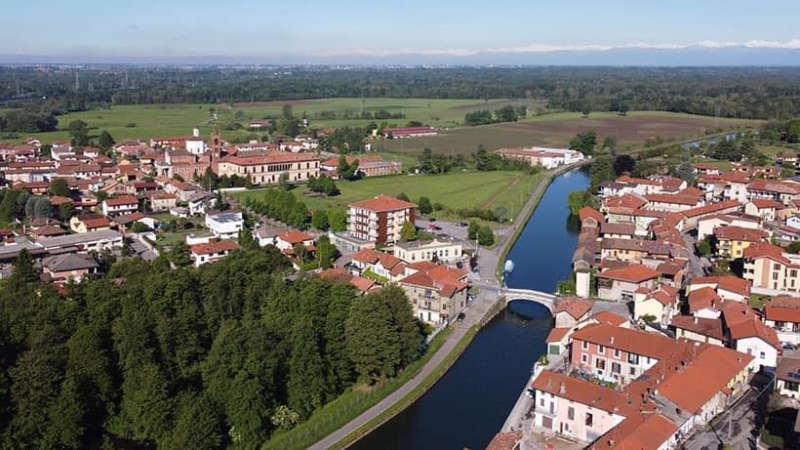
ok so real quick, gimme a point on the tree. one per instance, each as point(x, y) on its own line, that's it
point(306, 386)
point(472, 230)
point(301, 252)
point(424, 205)
point(485, 236)
point(337, 219)
point(610, 142)
point(246, 240)
point(483, 160)
point(623, 164)
point(79, 133)
point(319, 219)
point(584, 142)
point(24, 271)
point(585, 110)
point(685, 171)
point(283, 181)
point(372, 340)
point(101, 196)
point(408, 232)
point(105, 141)
point(179, 254)
point(325, 252)
point(198, 424)
point(43, 207)
point(402, 196)
point(576, 202)
point(65, 211)
point(704, 247)
point(60, 187)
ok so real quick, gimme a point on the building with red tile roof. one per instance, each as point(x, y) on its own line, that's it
point(569, 311)
point(212, 251)
point(698, 329)
point(753, 337)
point(437, 293)
point(379, 219)
point(621, 284)
point(728, 287)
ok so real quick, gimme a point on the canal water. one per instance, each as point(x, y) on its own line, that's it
point(471, 402)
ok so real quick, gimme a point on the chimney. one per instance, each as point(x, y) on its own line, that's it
point(563, 389)
point(612, 339)
point(196, 132)
point(695, 320)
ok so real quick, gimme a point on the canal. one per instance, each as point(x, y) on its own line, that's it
point(470, 403)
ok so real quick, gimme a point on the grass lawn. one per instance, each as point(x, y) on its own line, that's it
point(486, 190)
point(757, 301)
point(349, 405)
point(170, 239)
point(773, 150)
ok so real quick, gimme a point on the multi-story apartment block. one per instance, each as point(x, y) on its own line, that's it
point(379, 219)
point(768, 266)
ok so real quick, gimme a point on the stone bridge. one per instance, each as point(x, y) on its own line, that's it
point(543, 298)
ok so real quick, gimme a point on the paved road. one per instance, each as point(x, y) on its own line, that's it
point(739, 425)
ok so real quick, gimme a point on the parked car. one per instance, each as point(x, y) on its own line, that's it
point(462, 224)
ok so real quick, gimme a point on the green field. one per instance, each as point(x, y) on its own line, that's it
point(178, 120)
point(485, 190)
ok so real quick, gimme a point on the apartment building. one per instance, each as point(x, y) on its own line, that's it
point(437, 293)
point(768, 266)
point(379, 219)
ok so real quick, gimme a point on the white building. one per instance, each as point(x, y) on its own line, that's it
point(225, 224)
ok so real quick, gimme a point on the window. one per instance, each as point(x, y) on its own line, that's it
point(584, 358)
point(589, 419)
point(633, 371)
point(601, 349)
point(616, 367)
point(617, 353)
point(541, 402)
point(585, 345)
point(600, 363)
point(571, 411)
point(633, 358)
point(763, 355)
point(789, 386)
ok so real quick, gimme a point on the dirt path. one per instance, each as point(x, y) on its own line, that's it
point(494, 198)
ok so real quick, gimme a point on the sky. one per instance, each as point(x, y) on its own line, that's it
point(361, 31)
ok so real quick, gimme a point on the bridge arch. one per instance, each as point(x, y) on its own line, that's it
point(543, 298)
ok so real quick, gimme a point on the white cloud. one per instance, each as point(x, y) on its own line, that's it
point(552, 48)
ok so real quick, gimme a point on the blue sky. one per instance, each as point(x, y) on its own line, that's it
point(349, 29)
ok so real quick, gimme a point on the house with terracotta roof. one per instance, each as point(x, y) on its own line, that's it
point(86, 223)
point(211, 252)
point(569, 311)
point(698, 329)
point(660, 303)
point(362, 285)
point(437, 293)
point(753, 337)
point(382, 264)
point(706, 225)
point(732, 240)
point(764, 208)
point(680, 387)
point(704, 302)
point(695, 214)
point(782, 313)
point(781, 191)
point(609, 318)
point(673, 202)
point(590, 217)
point(379, 219)
point(615, 354)
point(507, 440)
point(768, 266)
point(162, 201)
point(286, 241)
point(622, 283)
point(558, 340)
point(728, 287)
point(118, 206)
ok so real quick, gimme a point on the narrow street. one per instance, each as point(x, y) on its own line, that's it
point(739, 425)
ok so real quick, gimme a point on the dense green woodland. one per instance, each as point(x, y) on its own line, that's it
point(224, 355)
point(746, 92)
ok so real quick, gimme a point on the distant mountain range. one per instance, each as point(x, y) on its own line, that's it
point(689, 56)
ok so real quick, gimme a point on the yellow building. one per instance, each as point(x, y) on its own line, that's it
point(732, 240)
